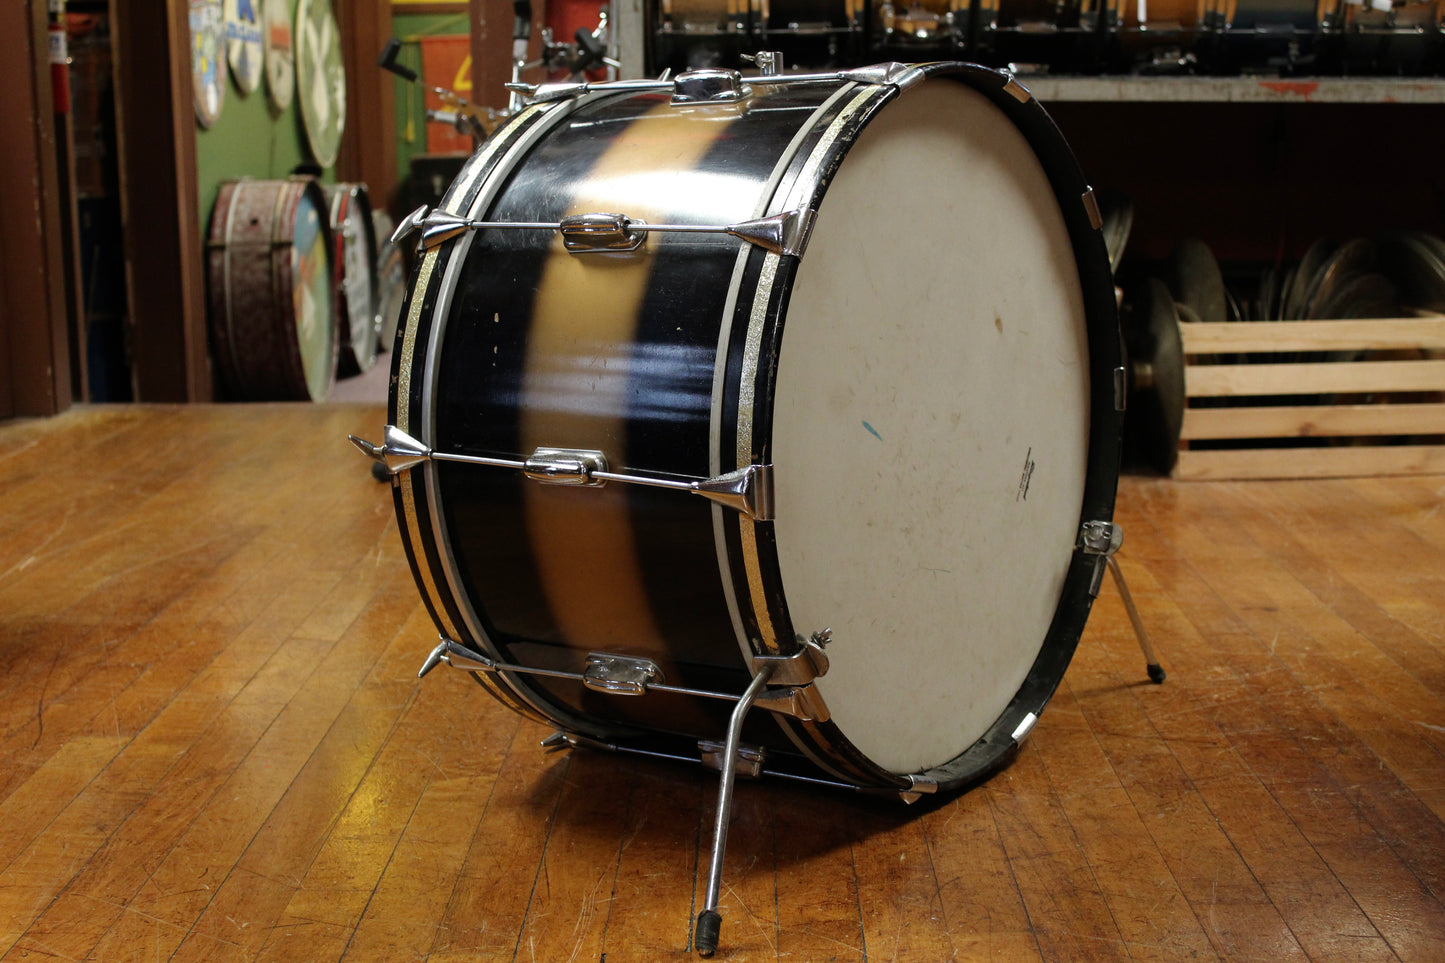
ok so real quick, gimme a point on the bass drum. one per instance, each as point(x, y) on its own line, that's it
point(272, 291)
point(929, 389)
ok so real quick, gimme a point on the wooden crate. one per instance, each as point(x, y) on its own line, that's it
point(1363, 425)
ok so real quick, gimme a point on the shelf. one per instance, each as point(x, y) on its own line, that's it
point(1238, 90)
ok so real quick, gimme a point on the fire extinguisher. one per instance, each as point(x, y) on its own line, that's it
point(59, 57)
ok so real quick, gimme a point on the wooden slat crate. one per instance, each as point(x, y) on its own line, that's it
point(1358, 426)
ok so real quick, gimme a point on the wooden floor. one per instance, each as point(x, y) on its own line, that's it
point(215, 746)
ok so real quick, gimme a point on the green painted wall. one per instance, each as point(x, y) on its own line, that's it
point(410, 98)
point(250, 138)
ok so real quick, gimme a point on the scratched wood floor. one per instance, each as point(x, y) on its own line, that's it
point(215, 746)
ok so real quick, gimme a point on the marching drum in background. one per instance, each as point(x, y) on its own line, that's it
point(356, 276)
point(391, 269)
point(791, 392)
point(272, 290)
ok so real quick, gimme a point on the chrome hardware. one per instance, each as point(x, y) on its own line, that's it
point(409, 224)
point(457, 656)
point(556, 742)
point(623, 675)
point(769, 62)
point(1091, 207)
point(804, 665)
point(1025, 726)
point(587, 233)
point(1121, 389)
point(802, 702)
point(441, 226)
point(709, 921)
point(892, 74)
point(1101, 540)
point(709, 85)
point(919, 786)
point(785, 233)
point(748, 490)
point(749, 758)
point(565, 466)
point(629, 675)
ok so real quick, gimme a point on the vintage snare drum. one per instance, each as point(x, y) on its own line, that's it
point(356, 276)
point(815, 392)
point(272, 290)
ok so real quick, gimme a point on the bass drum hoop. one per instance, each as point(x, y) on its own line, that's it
point(824, 743)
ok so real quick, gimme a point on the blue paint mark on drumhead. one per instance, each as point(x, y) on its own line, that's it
point(872, 431)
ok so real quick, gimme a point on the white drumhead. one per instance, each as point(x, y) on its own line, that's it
point(931, 426)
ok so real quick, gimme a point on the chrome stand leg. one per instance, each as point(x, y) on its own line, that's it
point(1156, 671)
point(709, 921)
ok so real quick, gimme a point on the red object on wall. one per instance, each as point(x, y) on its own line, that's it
point(446, 62)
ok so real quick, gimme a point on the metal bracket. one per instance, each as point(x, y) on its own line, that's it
point(566, 466)
point(749, 759)
point(748, 490)
point(1101, 540)
point(623, 675)
point(601, 233)
point(804, 665)
point(891, 73)
point(919, 786)
point(802, 702)
point(709, 85)
point(597, 232)
point(627, 675)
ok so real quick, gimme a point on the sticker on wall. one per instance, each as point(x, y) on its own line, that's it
point(243, 42)
point(320, 79)
point(208, 59)
point(280, 53)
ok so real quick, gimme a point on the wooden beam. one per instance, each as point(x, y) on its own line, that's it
point(155, 118)
point(37, 353)
point(367, 146)
point(491, 32)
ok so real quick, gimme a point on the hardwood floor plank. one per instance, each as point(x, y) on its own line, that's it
point(213, 746)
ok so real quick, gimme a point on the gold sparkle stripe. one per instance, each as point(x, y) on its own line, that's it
point(752, 351)
point(407, 362)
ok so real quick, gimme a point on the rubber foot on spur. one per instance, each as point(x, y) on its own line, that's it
point(1156, 673)
point(709, 923)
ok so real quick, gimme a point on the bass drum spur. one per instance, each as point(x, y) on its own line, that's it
point(801, 388)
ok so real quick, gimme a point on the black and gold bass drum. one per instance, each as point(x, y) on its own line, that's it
point(808, 379)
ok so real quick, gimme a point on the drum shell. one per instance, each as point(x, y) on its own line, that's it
point(479, 316)
point(253, 323)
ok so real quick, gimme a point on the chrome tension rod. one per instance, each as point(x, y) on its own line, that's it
point(748, 490)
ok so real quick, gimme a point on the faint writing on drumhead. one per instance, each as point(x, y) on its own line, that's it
point(1026, 477)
